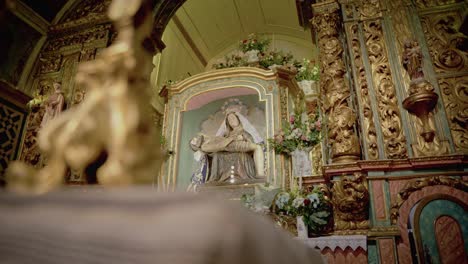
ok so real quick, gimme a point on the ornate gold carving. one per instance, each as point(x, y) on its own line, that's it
point(455, 97)
point(283, 106)
point(111, 120)
point(334, 87)
point(369, 9)
point(317, 159)
point(351, 202)
point(422, 99)
point(30, 151)
point(88, 12)
point(432, 3)
point(443, 40)
point(87, 8)
point(389, 113)
point(97, 33)
point(400, 25)
point(363, 88)
point(419, 184)
point(283, 103)
point(50, 63)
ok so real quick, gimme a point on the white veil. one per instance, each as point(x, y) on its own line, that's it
point(248, 127)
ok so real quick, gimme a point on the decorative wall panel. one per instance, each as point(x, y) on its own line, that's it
point(450, 62)
point(362, 88)
point(455, 98)
point(384, 88)
point(12, 119)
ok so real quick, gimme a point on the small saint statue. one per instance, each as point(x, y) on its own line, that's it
point(412, 60)
point(54, 104)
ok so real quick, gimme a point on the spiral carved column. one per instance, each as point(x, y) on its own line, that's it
point(335, 90)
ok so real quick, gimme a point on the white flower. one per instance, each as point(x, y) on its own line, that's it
point(298, 202)
point(282, 199)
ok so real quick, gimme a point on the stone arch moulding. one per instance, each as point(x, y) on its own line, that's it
point(265, 83)
point(412, 194)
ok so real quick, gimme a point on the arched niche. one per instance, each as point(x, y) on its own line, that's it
point(273, 88)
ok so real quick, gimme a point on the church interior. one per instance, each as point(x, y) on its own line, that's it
point(342, 122)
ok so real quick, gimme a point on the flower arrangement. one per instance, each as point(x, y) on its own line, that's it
point(274, 58)
point(236, 59)
point(307, 71)
point(261, 57)
point(301, 132)
point(254, 43)
point(312, 206)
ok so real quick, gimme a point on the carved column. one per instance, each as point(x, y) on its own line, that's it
point(336, 93)
point(378, 95)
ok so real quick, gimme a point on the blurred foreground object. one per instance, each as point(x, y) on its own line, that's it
point(111, 121)
point(137, 225)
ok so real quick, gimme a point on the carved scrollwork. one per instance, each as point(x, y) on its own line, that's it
point(363, 88)
point(98, 33)
point(30, 153)
point(351, 202)
point(443, 40)
point(50, 63)
point(87, 8)
point(369, 8)
point(432, 3)
point(335, 89)
point(455, 97)
point(419, 184)
point(389, 113)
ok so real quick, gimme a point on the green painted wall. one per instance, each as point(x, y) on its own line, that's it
point(191, 125)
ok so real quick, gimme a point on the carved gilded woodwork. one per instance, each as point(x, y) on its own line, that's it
point(433, 3)
point(85, 14)
point(317, 159)
point(368, 9)
point(443, 40)
point(66, 46)
point(401, 27)
point(421, 102)
point(87, 8)
point(111, 120)
point(419, 184)
point(30, 151)
point(50, 63)
point(362, 87)
point(450, 63)
point(284, 114)
point(86, 36)
point(350, 199)
point(387, 102)
point(455, 97)
point(334, 86)
point(11, 125)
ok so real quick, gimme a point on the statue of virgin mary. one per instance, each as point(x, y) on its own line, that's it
point(235, 150)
